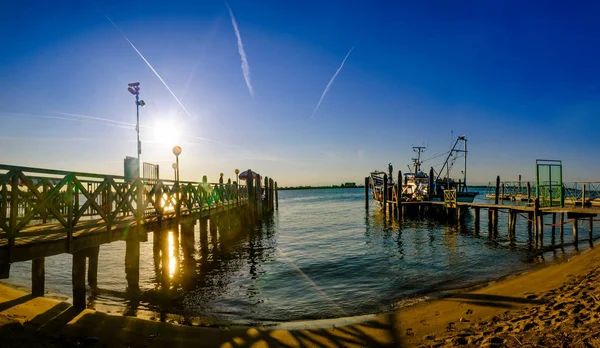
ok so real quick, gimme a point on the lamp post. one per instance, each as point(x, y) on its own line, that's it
point(237, 184)
point(174, 171)
point(177, 152)
point(134, 88)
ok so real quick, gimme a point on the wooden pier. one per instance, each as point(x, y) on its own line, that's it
point(533, 213)
point(49, 212)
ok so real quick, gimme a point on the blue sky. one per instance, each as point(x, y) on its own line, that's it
point(519, 79)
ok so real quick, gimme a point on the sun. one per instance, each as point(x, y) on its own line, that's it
point(166, 132)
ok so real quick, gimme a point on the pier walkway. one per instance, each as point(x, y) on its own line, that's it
point(47, 212)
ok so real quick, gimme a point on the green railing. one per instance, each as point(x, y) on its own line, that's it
point(33, 196)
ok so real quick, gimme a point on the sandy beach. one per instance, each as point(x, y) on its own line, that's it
point(558, 305)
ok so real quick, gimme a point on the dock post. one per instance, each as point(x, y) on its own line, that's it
point(38, 276)
point(251, 193)
point(385, 193)
point(266, 203)
point(367, 192)
point(78, 279)
point(497, 189)
point(541, 230)
point(590, 229)
point(583, 196)
point(536, 214)
point(277, 197)
point(553, 227)
point(476, 218)
point(132, 263)
point(93, 266)
point(502, 194)
point(562, 227)
point(271, 194)
point(575, 231)
point(510, 218)
point(399, 198)
point(528, 192)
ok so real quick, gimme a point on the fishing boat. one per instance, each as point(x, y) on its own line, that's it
point(377, 183)
point(417, 185)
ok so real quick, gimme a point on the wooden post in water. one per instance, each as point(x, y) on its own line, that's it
point(583, 196)
point(528, 192)
point(519, 190)
point(267, 198)
point(78, 279)
point(590, 229)
point(132, 262)
point(271, 194)
point(562, 227)
point(38, 276)
point(277, 197)
point(497, 189)
point(93, 254)
point(251, 193)
point(541, 230)
point(367, 192)
point(553, 227)
point(536, 213)
point(385, 193)
point(575, 231)
point(399, 205)
point(476, 218)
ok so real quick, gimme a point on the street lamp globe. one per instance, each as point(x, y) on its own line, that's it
point(177, 150)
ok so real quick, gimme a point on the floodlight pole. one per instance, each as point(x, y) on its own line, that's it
point(137, 129)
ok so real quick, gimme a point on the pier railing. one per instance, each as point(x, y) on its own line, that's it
point(33, 196)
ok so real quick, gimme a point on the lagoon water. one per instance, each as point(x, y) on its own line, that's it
point(321, 255)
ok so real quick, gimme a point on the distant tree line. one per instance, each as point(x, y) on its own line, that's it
point(343, 185)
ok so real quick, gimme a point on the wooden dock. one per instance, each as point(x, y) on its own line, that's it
point(48, 212)
point(452, 210)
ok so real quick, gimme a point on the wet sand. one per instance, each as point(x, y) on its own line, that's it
point(558, 305)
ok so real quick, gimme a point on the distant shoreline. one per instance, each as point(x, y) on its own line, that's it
point(317, 187)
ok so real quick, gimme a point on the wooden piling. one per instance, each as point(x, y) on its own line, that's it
point(583, 196)
point(367, 192)
point(38, 276)
point(528, 192)
point(497, 189)
point(575, 231)
point(399, 199)
point(251, 193)
point(562, 227)
point(477, 217)
point(553, 227)
point(385, 193)
point(271, 193)
point(78, 279)
point(541, 230)
point(591, 228)
point(277, 197)
point(92, 255)
point(132, 263)
point(266, 202)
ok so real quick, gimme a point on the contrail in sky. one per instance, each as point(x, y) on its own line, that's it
point(148, 63)
point(245, 66)
point(108, 120)
point(331, 82)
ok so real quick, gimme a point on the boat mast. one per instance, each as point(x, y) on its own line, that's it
point(417, 161)
point(462, 137)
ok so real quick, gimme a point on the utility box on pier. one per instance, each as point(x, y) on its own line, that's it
point(132, 169)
